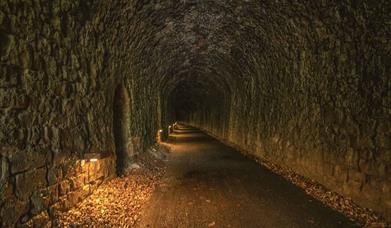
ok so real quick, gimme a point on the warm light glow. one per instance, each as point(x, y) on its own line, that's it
point(92, 157)
point(169, 126)
point(160, 131)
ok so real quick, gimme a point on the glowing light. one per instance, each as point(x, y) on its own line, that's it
point(91, 157)
point(160, 130)
point(169, 126)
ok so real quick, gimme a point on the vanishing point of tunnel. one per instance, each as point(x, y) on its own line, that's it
point(251, 113)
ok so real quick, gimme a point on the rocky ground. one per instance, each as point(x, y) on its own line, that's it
point(117, 203)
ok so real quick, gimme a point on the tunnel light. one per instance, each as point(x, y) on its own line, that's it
point(92, 157)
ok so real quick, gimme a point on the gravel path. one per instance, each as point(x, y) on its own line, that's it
point(208, 184)
point(203, 183)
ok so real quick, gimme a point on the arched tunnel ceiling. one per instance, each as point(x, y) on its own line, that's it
point(219, 39)
point(224, 39)
point(225, 42)
point(233, 44)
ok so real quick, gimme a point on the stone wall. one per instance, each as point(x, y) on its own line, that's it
point(320, 102)
point(303, 83)
point(59, 66)
point(35, 196)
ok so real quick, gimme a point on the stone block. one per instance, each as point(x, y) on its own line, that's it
point(381, 169)
point(95, 184)
point(84, 166)
point(75, 197)
point(5, 99)
point(64, 187)
point(71, 170)
point(28, 182)
point(2, 16)
point(108, 167)
point(12, 210)
point(355, 175)
point(4, 175)
point(21, 101)
point(7, 44)
point(338, 171)
point(78, 181)
point(27, 160)
point(53, 193)
point(59, 158)
point(39, 201)
point(96, 171)
point(54, 175)
point(351, 188)
point(6, 191)
point(386, 189)
point(368, 166)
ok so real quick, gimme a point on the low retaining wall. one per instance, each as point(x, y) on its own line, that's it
point(33, 197)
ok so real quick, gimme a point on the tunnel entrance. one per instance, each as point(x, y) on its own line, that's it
point(121, 125)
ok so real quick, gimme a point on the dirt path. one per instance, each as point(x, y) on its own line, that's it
point(208, 184)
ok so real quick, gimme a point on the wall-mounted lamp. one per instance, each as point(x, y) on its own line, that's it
point(92, 157)
point(159, 135)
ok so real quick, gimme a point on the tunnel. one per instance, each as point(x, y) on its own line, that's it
point(88, 88)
